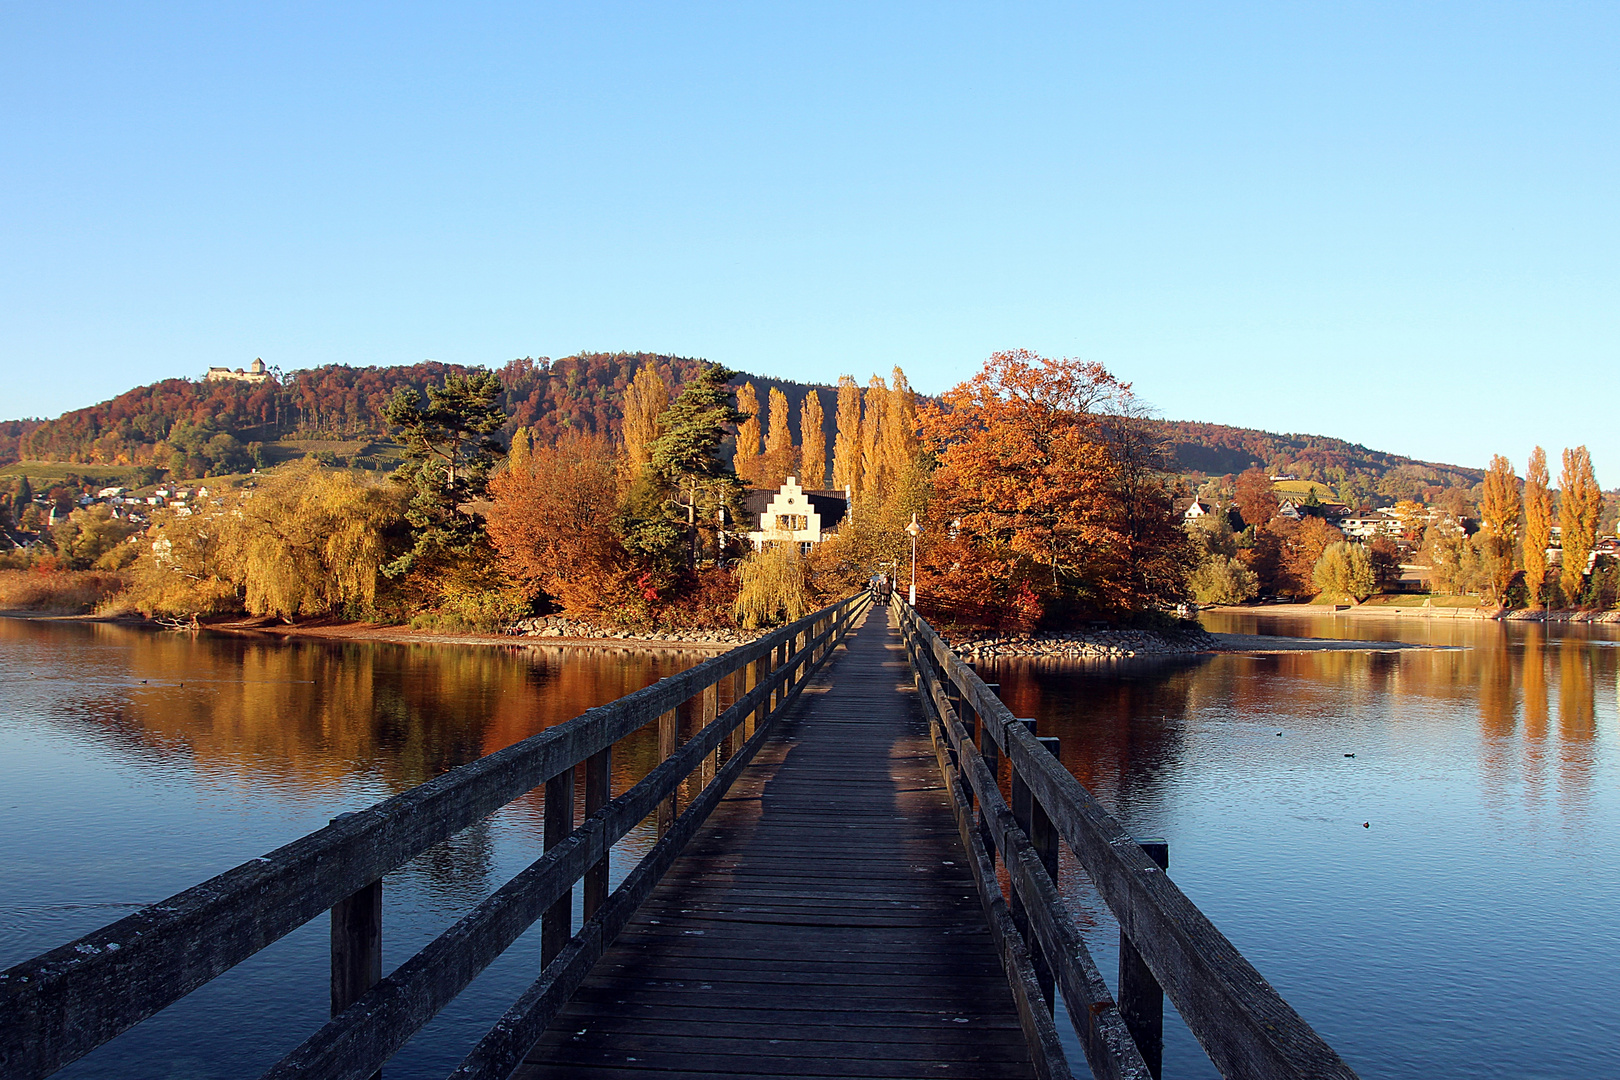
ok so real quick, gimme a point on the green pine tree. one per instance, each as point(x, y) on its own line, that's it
point(448, 457)
point(700, 484)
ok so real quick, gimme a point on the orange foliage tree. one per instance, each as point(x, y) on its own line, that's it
point(553, 522)
point(1047, 496)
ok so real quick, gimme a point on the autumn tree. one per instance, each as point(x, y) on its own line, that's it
point(1500, 512)
point(1030, 483)
point(772, 587)
point(1255, 497)
point(554, 522)
point(645, 400)
point(746, 462)
point(1580, 505)
point(1537, 525)
point(1218, 575)
point(92, 539)
point(847, 441)
point(874, 426)
point(812, 443)
point(448, 456)
point(1344, 570)
point(778, 443)
point(900, 430)
point(309, 541)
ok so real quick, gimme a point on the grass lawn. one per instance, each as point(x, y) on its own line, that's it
point(1303, 487)
point(1418, 600)
point(58, 470)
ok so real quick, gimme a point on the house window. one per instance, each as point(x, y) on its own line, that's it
point(792, 522)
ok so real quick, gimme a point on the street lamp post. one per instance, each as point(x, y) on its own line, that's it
point(912, 530)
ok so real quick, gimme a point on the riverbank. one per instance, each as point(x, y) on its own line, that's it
point(1390, 611)
point(576, 635)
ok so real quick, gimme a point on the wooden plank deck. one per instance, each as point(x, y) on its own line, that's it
point(823, 922)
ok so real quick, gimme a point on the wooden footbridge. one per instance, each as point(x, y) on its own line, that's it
point(861, 882)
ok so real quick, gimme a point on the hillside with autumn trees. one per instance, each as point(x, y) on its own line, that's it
point(200, 428)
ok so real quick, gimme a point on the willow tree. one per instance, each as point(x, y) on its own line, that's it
point(847, 441)
point(746, 462)
point(1500, 510)
point(778, 443)
point(812, 443)
point(1580, 505)
point(1537, 525)
point(645, 400)
point(309, 541)
point(772, 587)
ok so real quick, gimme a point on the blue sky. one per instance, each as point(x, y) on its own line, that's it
point(1393, 223)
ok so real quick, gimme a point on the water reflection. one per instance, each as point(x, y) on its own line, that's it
point(135, 764)
point(1399, 840)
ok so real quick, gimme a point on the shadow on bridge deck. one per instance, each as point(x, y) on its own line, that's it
point(822, 923)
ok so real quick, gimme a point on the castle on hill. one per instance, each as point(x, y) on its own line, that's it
point(255, 373)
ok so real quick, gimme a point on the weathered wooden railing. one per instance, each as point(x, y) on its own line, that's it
point(61, 1005)
point(1244, 1026)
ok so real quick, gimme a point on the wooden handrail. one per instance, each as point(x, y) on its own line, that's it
point(66, 1002)
point(1241, 1022)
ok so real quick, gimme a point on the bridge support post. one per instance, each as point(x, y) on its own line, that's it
point(1043, 837)
point(556, 924)
point(1141, 999)
point(598, 793)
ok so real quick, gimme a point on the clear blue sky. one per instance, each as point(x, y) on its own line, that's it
point(1393, 223)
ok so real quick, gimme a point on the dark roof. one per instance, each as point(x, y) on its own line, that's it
point(829, 505)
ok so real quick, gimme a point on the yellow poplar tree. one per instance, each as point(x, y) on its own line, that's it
point(900, 434)
point(1580, 505)
point(847, 443)
point(1537, 523)
point(645, 400)
point(521, 452)
point(747, 461)
point(1499, 509)
point(812, 444)
point(778, 442)
point(874, 426)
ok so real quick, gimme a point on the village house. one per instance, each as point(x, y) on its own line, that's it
point(1193, 509)
point(791, 515)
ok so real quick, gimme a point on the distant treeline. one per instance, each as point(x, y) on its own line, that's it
point(198, 428)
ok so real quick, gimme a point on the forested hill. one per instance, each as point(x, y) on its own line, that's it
point(198, 427)
point(201, 427)
point(1218, 450)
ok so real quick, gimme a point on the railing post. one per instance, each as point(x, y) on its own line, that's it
point(1141, 999)
point(598, 793)
point(992, 761)
point(710, 710)
point(556, 924)
point(667, 735)
point(356, 943)
point(1023, 810)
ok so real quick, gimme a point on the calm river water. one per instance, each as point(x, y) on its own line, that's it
point(1471, 928)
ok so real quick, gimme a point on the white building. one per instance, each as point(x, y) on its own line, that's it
point(791, 515)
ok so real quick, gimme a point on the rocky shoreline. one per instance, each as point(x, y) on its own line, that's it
point(1100, 644)
point(558, 626)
